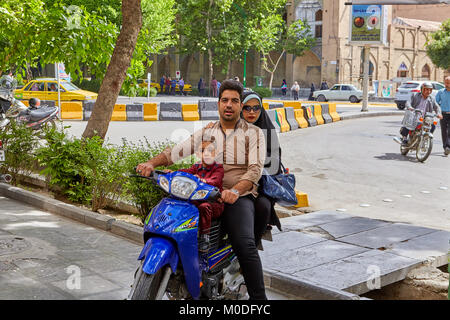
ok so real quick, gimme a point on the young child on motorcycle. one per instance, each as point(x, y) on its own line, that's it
point(210, 172)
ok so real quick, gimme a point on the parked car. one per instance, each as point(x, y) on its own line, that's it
point(47, 89)
point(405, 91)
point(340, 92)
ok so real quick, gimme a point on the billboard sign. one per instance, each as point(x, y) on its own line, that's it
point(368, 24)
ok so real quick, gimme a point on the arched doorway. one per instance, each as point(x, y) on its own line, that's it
point(307, 70)
point(402, 71)
point(426, 72)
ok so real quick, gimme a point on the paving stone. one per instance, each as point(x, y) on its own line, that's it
point(345, 227)
point(386, 236)
point(312, 219)
point(295, 260)
point(287, 241)
point(433, 247)
point(89, 285)
point(353, 274)
point(16, 286)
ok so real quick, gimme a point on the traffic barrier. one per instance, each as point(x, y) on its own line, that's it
point(318, 113)
point(119, 112)
point(208, 110)
point(294, 104)
point(275, 105)
point(88, 106)
point(281, 119)
point(150, 111)
point(170, 111)
point(308, 113)
point(190, 112)
point(72, 110)
point(333, 113)
point(302, 199)
point(326, 113)
point(290, 118)
point(300, 118)
point(266, 105)
point(135, 112)
point(273, 117)
point(25, 102)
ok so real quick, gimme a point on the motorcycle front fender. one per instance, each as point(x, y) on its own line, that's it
point(157, 253)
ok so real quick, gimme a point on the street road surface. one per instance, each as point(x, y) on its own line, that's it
point(342, 165)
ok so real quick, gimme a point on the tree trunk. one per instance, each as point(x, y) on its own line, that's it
point(117, 70)
point(188, 68)
point(209, 32)
point(229, 69)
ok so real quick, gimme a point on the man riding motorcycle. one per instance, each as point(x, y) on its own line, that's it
point(424, 102)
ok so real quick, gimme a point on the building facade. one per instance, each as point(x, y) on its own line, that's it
point(333, 59)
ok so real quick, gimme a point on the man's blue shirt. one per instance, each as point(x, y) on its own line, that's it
point(443, 99)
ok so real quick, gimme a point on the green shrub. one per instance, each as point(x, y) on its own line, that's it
point(19, 144)
point(263, 92)
point(90, 85)
point(65, 161)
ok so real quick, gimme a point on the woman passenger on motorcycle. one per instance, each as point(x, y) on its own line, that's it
point(254, 113)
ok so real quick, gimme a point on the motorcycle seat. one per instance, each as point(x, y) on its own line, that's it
point(43, 112)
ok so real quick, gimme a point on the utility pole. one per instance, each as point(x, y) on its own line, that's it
point(365, 101)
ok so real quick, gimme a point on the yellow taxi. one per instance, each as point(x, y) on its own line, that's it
point(143, 84)
point(47, 89)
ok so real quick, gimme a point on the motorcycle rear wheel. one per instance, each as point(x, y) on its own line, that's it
point(148, 285)
point(424, 148)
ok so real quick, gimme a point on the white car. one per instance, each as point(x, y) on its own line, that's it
point(405, 91)
point(340, 92)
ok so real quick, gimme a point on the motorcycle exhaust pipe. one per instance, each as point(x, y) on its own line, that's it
point(398, 140)
point(5, 178)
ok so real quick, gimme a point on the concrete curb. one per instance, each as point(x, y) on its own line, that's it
point(280, 282)
point(370, 114)
point(305, 289)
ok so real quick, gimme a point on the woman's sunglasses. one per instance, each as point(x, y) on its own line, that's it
point(250, 108)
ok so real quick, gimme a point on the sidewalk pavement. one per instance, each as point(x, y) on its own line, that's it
point(319, 255)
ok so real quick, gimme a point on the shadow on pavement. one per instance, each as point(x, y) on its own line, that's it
point(396, 156)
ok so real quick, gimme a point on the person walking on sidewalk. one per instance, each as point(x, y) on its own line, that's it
point(313, 88)
point(295, 90)
point(283, 87)
point(443, 99)
point(214, 86)
point(181, 85)
point(162, 81)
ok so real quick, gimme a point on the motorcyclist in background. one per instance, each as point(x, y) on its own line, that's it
point(424, 102)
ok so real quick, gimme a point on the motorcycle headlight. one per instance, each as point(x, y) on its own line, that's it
point(164, 183)
point(182, 187)
point(200, 195)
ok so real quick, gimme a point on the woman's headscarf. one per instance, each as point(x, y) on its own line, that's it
point(272, 142)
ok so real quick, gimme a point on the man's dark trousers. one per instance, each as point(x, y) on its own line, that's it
point(239, 221)
point(445, 129)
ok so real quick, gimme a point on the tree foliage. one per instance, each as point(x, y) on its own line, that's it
point(79, 33)
point(438, 47)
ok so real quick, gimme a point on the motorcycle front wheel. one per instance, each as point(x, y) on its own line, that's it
point(150, 286)
point(423, 150)
point(404, 150)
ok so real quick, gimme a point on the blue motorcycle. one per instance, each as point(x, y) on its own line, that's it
point(171, 265)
